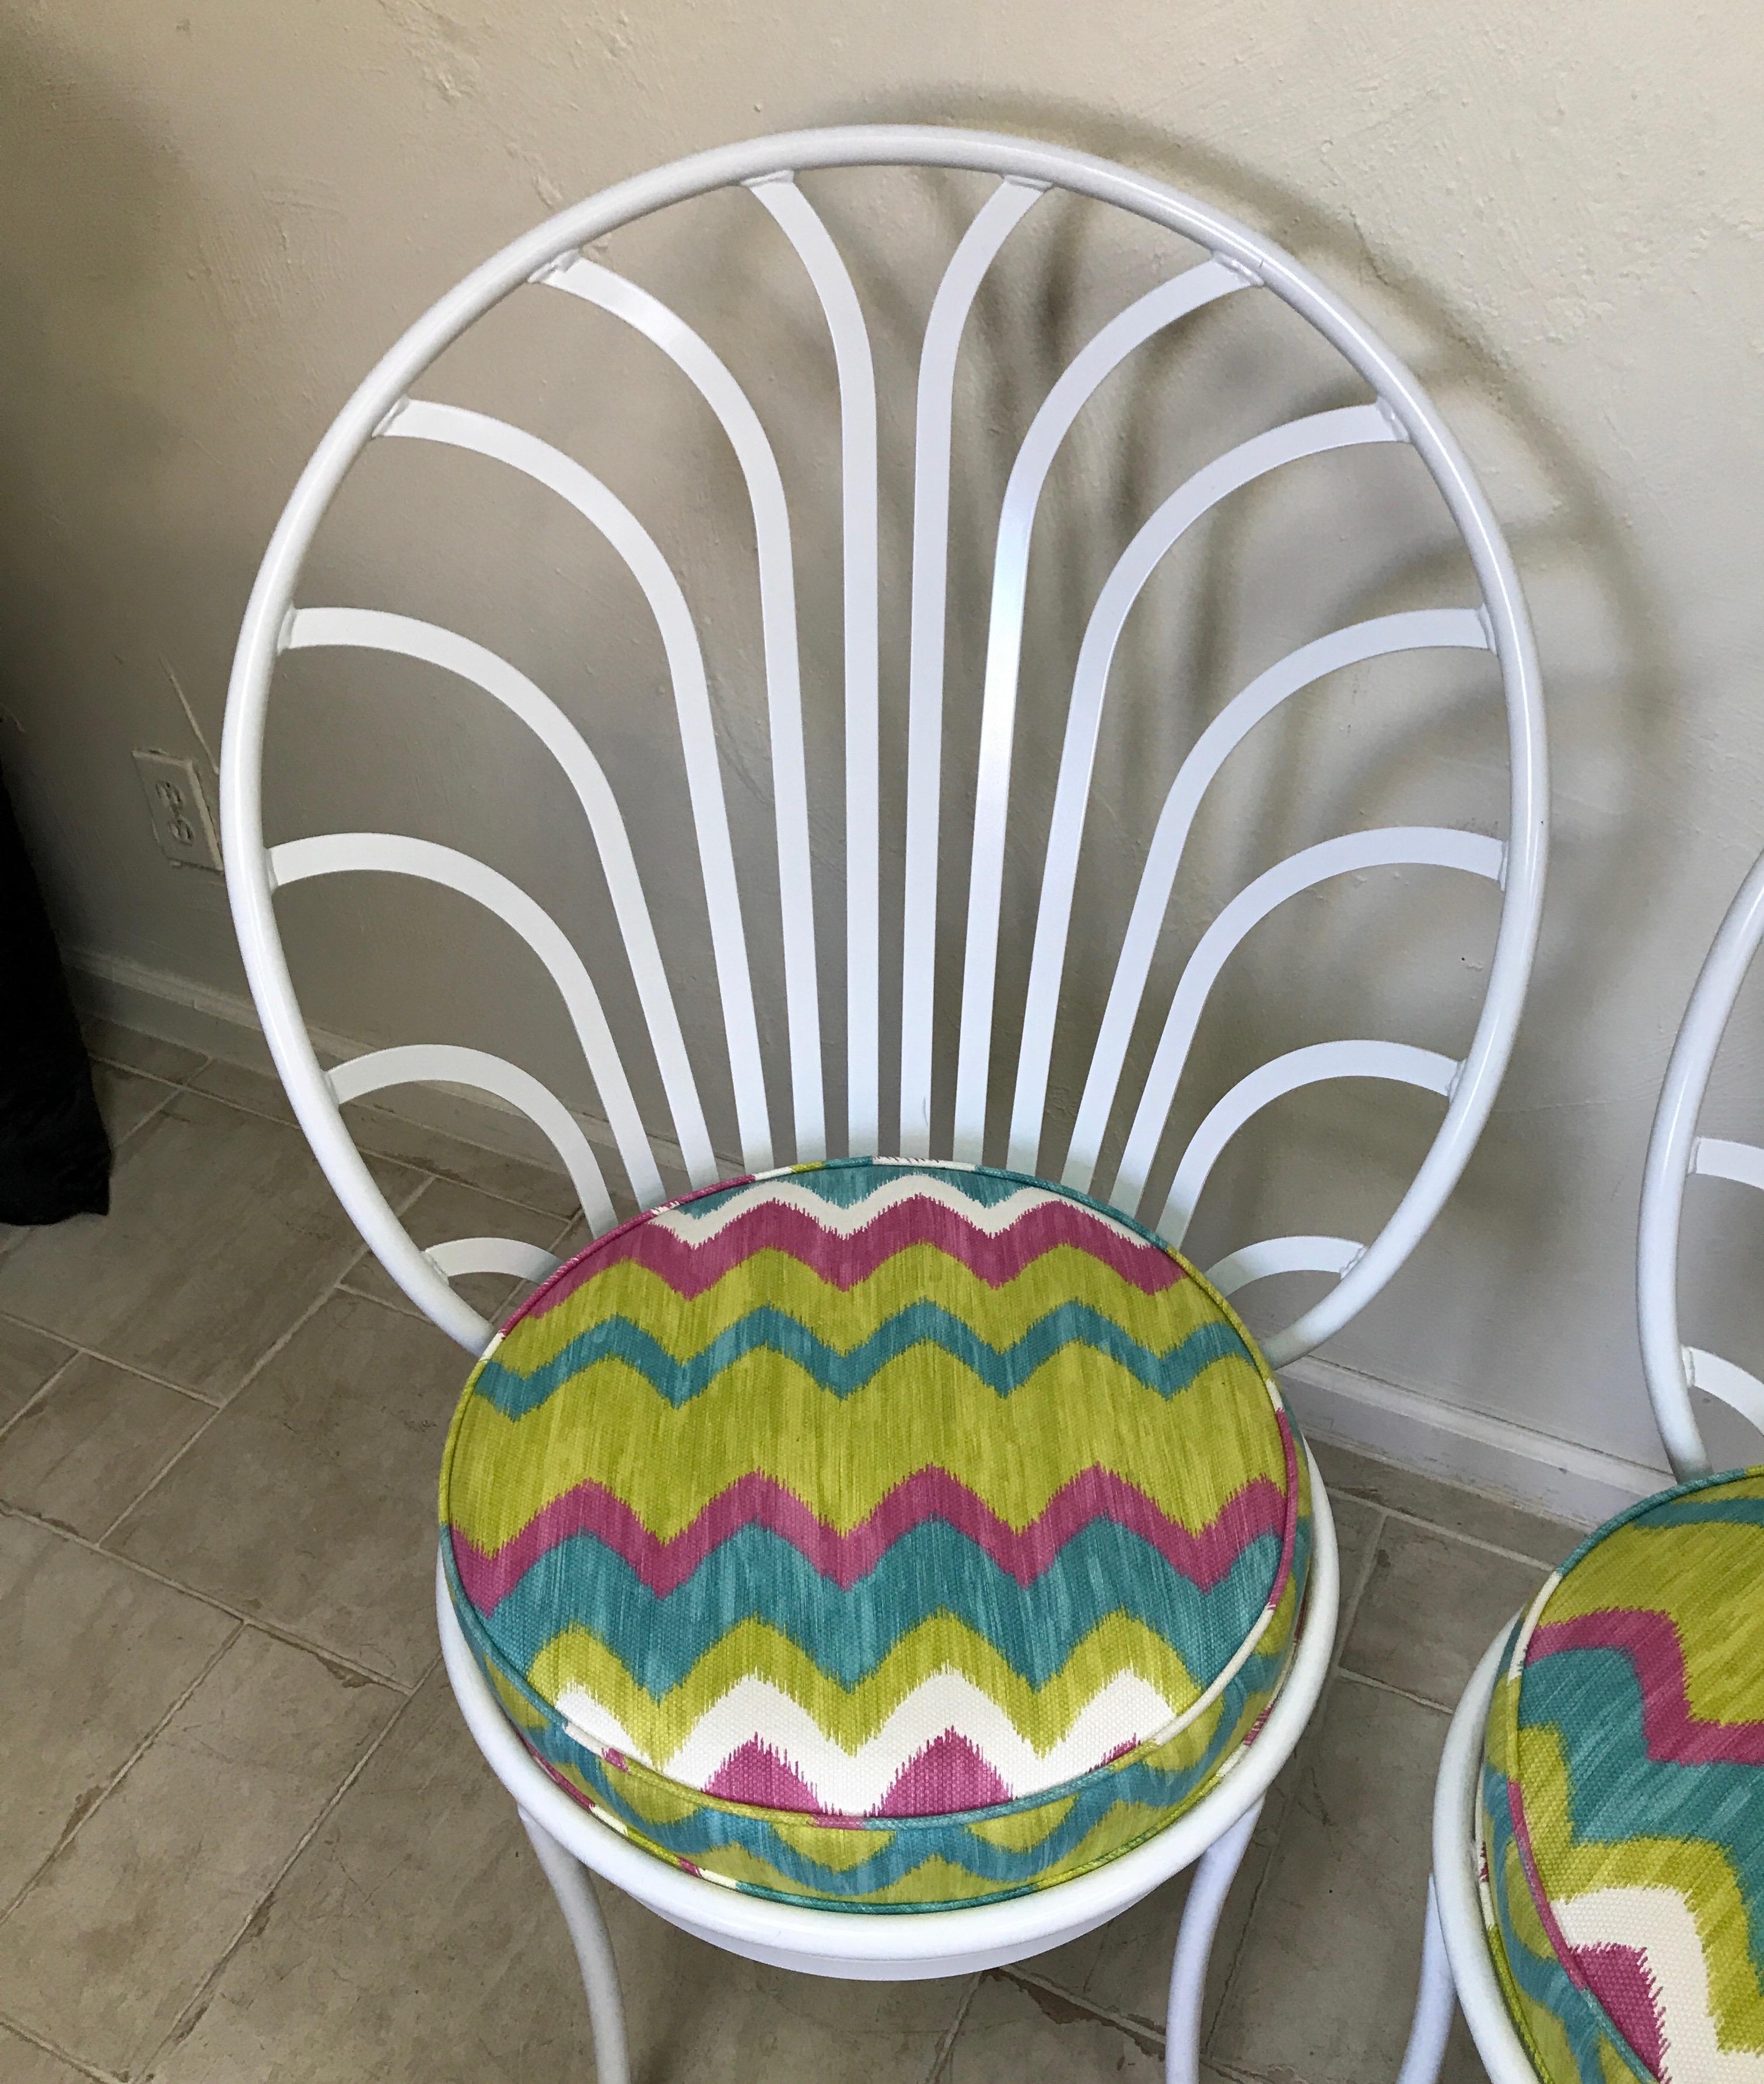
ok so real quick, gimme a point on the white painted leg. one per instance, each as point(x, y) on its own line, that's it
point(1434, 2005)
point(1206, 1893)
point(575, 1894)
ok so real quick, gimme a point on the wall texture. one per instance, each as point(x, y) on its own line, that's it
point(219, 214)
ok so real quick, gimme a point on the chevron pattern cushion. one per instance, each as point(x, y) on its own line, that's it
point(879, 1535)
point(1622, 1817)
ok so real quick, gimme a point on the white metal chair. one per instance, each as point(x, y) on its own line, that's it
point(556, 257)
point(1455, 1958)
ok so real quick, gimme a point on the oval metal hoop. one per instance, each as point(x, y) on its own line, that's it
point(1234, 260)
point(1675, 1153)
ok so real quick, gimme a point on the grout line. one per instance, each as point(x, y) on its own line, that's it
point(387, 1157)
point(34, 2038)
point(110, 1360)
point(153, 1114)
point(1451, 1534)
point(188, 2018)
point(1148, 2033)
point(1402, 1693)
point(72, 1831)
point(946, 2040)
point(118, 1063)
point(1344, 1625)
point(41, 1393)
point(201, 1431)
point(282, 1632)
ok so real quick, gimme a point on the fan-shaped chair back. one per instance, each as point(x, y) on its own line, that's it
point(991, 1059)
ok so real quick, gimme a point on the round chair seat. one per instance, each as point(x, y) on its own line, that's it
point(1622, 1816)
point(878, 1535)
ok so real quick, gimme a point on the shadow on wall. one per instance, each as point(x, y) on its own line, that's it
point(1613, 705)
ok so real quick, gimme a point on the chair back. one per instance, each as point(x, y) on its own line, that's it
point(1676, 1154)
point(871, 877)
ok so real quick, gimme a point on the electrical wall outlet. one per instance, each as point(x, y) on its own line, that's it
point(182, 822)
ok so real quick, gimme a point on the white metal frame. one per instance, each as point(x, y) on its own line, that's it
point(555, 257)
point(1455, 1960)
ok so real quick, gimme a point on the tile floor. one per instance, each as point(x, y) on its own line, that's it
point(243, 1835)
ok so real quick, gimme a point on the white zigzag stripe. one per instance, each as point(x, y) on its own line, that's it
point(852, 1783)
point(1657, 1924)
point(694, 1229)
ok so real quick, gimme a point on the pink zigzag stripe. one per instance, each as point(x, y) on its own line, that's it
point(1650, 1641)
point(689, 1269)
point(932, 1493)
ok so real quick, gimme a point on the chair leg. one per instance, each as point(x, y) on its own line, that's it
point(1207, 1894)
point(576, 1898)
point(1434, 2005)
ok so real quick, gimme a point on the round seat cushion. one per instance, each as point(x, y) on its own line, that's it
point(878, 1535)
point(1622, 1812)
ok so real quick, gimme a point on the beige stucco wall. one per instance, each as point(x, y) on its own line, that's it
point(217, 214)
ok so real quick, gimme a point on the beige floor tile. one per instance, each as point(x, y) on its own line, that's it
point(1347, 1474)
point(1432, 1606)
point(1324, 1984)
point(93, 1656)
point(222, 1232)
point(444, 1210)
point(117, 1934)
point(126, 1099)
point(27, 1359)
point(416, 1942)
point(133, 1051)
point(82, 1454)
point(22, 2062)
point(311, 1500)
point(1015, 2034)
point(388, 1135)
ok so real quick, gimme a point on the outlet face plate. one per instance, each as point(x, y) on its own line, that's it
point(182, 822)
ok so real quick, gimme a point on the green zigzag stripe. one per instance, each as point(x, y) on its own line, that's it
point(844, 1375)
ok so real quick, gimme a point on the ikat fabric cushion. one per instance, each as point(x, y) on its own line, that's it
point(1622, 1816)
point(879, 1535)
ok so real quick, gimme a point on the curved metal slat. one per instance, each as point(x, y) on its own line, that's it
point(372, 629)
point(494, 1255)
point(711, 378)
point(791, 211)
point(1673, 1155)
point(446, 1063)
point(1393, 846)
point(1313, 1065)
point(1287, 1254)
point(1004, 209)
point(1715, 1158)
point(454, 427)
point(1740, 1391)
point(1452, 628)
point(1352, 427)
point(391, 853)
point(1196, 287)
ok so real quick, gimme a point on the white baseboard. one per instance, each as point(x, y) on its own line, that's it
point(1498, 1456)
point(1505, 1459)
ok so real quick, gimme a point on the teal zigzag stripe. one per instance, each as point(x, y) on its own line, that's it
point(768, 1329)
point(1612, 1780)
point(1543, 1979)
point(1104, 1570)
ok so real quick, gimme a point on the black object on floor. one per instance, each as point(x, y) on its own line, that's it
point(54, 1153)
